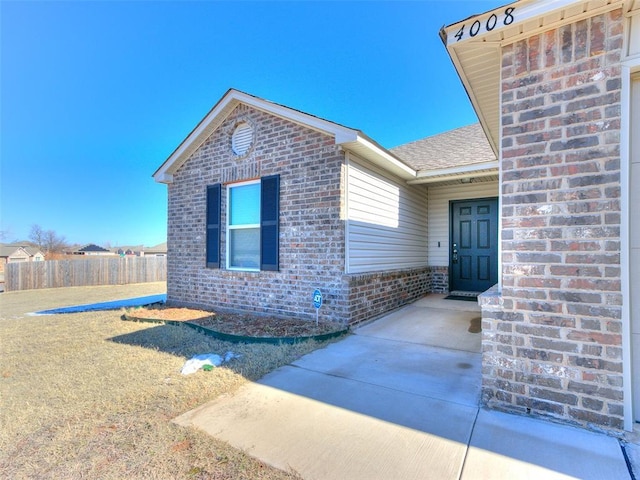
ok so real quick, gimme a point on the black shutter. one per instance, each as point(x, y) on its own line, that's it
point(269, 222)
point(213, 225)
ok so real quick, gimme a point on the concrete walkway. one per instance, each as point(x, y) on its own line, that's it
point(399, 400)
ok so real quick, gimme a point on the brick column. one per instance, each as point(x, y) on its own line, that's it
point(552, 339)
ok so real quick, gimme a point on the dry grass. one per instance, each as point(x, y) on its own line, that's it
point(87, 395)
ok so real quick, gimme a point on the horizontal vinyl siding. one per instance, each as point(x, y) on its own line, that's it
point(438, 215)
point(386, 221)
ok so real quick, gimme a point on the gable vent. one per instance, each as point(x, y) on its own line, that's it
point(242, 138)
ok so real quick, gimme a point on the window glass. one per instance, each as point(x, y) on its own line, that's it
point(244, 248)
point(245, 204)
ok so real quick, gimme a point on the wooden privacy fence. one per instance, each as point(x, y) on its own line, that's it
point(79, 273)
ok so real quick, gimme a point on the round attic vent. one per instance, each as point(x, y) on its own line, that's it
point(242, 138)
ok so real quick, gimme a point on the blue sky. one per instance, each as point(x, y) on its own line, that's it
point(96, 95)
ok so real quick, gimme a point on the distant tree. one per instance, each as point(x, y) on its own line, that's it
point(36, 235)
point(48, 241)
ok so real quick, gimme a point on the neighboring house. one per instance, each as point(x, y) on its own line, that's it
point(91, 249)
point(133, 250)
point(35, 255)
point(159, 250)
point(18, 253)
point(556, 85)
point(267, 203)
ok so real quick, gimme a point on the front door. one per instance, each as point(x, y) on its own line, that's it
point(473, 259)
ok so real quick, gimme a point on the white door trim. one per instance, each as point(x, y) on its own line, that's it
point(629, 68)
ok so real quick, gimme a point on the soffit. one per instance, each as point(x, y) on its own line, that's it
point(464, 173)
point(460, 180)
point(474, 45)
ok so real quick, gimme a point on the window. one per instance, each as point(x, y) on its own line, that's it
point(243, 226)
point(253, 210)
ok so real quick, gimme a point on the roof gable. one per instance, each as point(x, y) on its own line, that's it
point(33, 251)
point(93, 248)
point(7, 251)
point(350, 139)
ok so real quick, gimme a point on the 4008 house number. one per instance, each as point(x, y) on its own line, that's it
point(486, 25)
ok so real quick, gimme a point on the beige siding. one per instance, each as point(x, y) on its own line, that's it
point(438, 214)
point(386, 221)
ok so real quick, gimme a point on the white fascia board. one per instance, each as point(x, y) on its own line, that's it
point(163, 177)
point(197, 136)
point(476, 170)
point(368, 149)
point(477, 26)
point(296, 116)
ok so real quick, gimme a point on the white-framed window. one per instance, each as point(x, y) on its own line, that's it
point(253, 225)
point(243, 226)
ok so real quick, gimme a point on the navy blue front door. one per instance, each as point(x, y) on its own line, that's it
point(473, 258)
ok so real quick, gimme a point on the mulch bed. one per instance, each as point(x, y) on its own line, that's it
point(238, 324)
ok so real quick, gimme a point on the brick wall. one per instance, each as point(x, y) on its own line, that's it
point(372, 294)
point(552, 341)
point(312, 236)
point(439, 279)
point(311, 231)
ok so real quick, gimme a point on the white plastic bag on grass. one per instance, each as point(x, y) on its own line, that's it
point(198, 361)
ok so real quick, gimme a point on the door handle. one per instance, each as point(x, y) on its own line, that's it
point(454, 253)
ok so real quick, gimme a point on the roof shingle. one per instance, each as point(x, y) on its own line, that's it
point(455, 148)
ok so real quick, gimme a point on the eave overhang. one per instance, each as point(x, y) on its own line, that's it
point(347, 138)
point(475, 43)
point(478, 170)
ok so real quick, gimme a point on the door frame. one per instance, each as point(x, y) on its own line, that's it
point(496, 260)
point(630, 69)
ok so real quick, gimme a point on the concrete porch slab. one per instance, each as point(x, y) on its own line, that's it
point(438, 300)
point(511, 446)
point(422, 323)
point(325, 427)
point(445, 374)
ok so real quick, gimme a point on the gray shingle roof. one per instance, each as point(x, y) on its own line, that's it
point(7, 250)
point(92, 247)
point(455, 148)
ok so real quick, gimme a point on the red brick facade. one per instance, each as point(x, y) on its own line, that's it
point(552, 340)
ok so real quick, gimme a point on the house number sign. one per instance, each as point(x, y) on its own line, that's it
point(497, 19)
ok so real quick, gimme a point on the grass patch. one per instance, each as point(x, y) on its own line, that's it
point(87, 395)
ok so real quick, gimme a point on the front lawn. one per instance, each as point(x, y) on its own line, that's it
point(88, 395)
